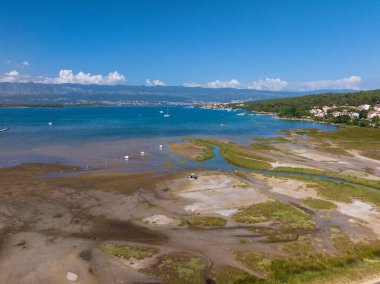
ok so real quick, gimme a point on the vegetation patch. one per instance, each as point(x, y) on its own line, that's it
point(238, 155)
point(127, 252)
point(348, 178)
point(365, 140)
point(264, 230)
point(340, 191)
point(302, 265)
point(281, 238)
point(299, 107)
point(319, 204)
point(277, 139)
point(284, 215)
point(232, 275)
point(193, 150)
point(263, 147)
point(178, 268)
point(208, 221)
point(347, 192)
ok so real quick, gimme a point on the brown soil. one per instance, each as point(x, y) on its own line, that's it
point(187, 149)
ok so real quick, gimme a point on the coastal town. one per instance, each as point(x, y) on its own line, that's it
point(365, 111)
point(364, 115)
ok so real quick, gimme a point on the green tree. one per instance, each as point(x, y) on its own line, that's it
point(376, 119)
point(342, 119)
point(364, 123)
point(363, 114)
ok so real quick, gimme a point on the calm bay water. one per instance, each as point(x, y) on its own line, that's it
point(96, 136)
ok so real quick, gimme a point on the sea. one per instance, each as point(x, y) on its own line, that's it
point(100, 137)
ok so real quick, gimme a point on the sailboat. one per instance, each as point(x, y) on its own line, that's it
point(167, 112)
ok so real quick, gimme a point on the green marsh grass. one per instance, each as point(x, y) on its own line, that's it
point(177, 268)
point(128, 252)
point(232, 275)
point(319, 204)
point(208, 221)
point(286, 216)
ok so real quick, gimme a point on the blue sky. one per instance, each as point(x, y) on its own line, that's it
point(247, 44)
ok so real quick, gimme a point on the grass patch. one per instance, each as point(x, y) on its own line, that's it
point(205, 155)
point(319, 204)
point(207, 222)
point(347, 178)
point(284, 215)
point(177, 268)
point(281, 238)
point(332, 150)
point(264, 231)
point(244, 162)
point(193, 149)
point(340, 191)
point(262, 147)
point(346, 192)
point(232, 275)
point(238, 155)
point(277, 139)
point(366, 140)
point(303, 266)
point(128, 252)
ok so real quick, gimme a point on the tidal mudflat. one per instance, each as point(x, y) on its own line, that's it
point(299, 208)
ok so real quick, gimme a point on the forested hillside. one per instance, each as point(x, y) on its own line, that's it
point(300, 106)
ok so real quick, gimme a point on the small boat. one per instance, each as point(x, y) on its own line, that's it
point(50, 123)
point(4, 129)
point(126, 157)
point(161, 111)
point(142, 153)
point(167, 113)
point(161, 147)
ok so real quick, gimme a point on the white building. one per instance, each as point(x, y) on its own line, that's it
point(372, 114)
point(326, 108)
point(364, 107)
point(317, 112)
point(353, 114)
point(338, 113)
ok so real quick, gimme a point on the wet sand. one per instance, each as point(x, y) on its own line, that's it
point(50, 226)
point(54, 218)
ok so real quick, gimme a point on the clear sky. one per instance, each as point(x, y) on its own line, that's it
point(257, 44)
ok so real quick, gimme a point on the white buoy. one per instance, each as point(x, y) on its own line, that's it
point(126, 157)
point(142, 153)
point(50, 123)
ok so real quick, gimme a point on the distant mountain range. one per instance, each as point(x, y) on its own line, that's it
point(36, 93)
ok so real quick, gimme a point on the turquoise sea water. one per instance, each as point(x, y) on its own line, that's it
point(98, 136)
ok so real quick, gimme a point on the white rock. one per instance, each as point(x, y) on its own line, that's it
point(71, 276)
